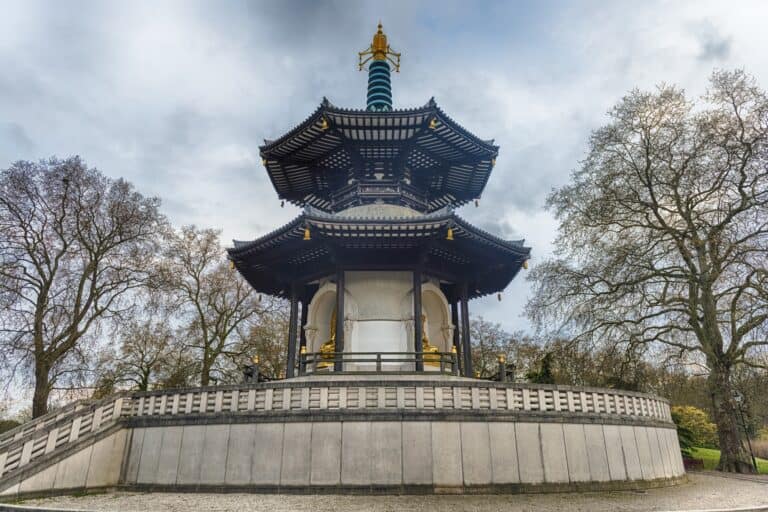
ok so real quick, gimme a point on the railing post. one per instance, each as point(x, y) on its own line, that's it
point(442, 363)
point(303, 361)
point(455, 361)
point(378, 362)
point(502, 368)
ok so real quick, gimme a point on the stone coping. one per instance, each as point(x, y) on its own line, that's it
point(377, 380)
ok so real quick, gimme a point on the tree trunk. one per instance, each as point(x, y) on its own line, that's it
point(42, 391)
point(205, 372)
point(733, 457)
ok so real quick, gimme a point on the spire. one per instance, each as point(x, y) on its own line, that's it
point(380, 55)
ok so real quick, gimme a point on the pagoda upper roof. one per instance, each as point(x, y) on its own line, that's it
point(437, 162)
point(270, 263)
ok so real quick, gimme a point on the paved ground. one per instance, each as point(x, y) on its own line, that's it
point(704, 491)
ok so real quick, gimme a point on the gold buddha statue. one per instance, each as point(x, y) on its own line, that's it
point(328, 348)
point(426, 347)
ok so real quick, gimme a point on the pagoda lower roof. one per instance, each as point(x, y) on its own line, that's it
point(334, 147)
point(484, 262)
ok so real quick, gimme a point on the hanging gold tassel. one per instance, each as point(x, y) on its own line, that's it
point(449, 236)
point(306, 234)
point(525, 264)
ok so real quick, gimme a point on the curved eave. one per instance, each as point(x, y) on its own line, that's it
point(264, 260)
point(452, 164)
point(439, 220)
point(312, 122)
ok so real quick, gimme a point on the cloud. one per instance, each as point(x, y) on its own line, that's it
point(177, 96)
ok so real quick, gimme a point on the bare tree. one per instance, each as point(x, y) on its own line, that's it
point(214, 299)
point(73, 244)
point(664, 236)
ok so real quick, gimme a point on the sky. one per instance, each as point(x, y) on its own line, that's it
point(176, 97)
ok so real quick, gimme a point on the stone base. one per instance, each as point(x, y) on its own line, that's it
point(345, 435)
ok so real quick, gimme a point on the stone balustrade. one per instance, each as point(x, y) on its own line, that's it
point(403, 396)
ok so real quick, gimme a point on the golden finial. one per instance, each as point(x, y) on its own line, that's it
point(379, 50)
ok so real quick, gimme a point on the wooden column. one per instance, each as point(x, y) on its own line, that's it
point(304, 316)
point(338, 365)
point(466, 342)
point(417, 325)
point(293, 320)
point(456, 329)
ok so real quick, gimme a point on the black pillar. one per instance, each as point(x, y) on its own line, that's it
point(417, 325)
point(456, 336)
point(466, 343)
point(338, 365)
point(304, 316)
point(291, 363)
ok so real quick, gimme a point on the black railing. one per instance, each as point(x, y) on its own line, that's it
point(378, 362)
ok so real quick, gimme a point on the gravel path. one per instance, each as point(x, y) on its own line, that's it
point(702, 492)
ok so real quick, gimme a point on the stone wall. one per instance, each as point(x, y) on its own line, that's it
point(433, 456)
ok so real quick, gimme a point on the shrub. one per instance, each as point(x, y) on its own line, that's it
point(703, 431)
point(6, 425)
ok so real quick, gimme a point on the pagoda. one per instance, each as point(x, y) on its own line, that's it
point(379, 264)
point(380, 271)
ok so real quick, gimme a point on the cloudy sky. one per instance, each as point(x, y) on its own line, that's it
point(177, 96)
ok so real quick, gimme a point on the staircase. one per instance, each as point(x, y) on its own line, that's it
point(55, 431)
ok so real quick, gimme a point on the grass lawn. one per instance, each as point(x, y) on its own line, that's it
point(711, 458)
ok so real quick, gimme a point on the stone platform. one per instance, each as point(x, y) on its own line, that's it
point(362, 434)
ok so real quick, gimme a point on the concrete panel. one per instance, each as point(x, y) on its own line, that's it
point(14, 489)
point(553, 452)
point(666, 456)
point(631, 455)
point(42, 481)
point(191, 457)
point(503, 453)
point(386, 453)
point(576, 450)
point(476, 453)
point(106, 460)
point(529, 453)
point(296, 453)
point(417, 453)
point(240, 454)
point(644, 453)
point(615, 454)
point(214, 464)
point(674, 451)
point(596, 453)
point(150, 455)
point(267, 454)
point(134, 455)
point(446, 454)
point(355, 453)
point(653, 442)
point(72, 471)
point(168, 467)
point(326, 454)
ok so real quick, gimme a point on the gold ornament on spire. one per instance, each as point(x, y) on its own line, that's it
point(379, 50)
